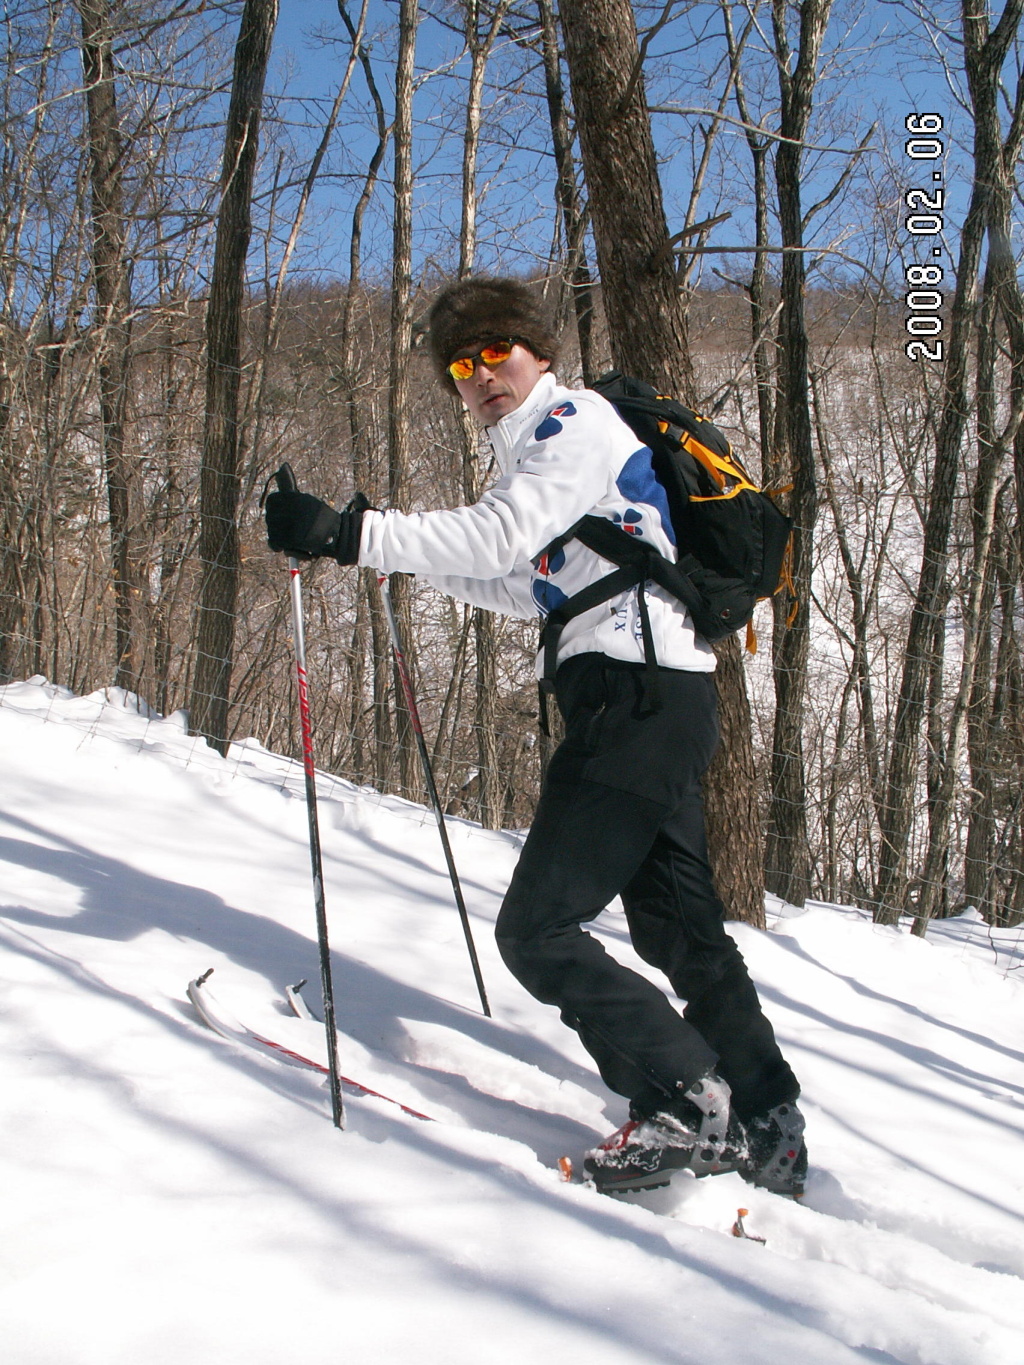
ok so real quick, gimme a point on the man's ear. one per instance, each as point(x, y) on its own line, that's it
point(544, 364)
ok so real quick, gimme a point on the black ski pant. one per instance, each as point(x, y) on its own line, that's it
point(621, 814)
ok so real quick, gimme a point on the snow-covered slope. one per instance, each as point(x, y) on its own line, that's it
point(170, 1197)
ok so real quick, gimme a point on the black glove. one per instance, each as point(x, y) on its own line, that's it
point(304, 526)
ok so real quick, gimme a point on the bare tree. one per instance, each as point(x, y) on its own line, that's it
point(985, 51)
point(1000, 314)
point(646, 321)
point(787, 855)
point(365, 477)
point(761, 311)
point(574, 221)
point(219, 479)
point(111, 274)
point(647, 326)
point(401, 343)
point(482, 27)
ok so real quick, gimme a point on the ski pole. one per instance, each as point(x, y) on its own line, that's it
point(285, 480)
point(428, 773)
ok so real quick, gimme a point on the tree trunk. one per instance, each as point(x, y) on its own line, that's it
point(757, 289)
point(401, 344)
point(647, 325)
point(573, 220)
point(365, 474)
point(981, 751)
point(480, 42)
point(111, 277)
point(859, 600)
point(219, 475)
point(1004, 869)
point(383, 729)
point(168, 518)
point(646, 320)
point(932, 887)
point(787, 850)
point(732, 805)
point(12, 514)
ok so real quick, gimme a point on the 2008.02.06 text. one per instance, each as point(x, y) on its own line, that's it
point(923, 299)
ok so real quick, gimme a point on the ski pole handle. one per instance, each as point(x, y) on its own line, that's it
point(285, 479)
point(287, 483)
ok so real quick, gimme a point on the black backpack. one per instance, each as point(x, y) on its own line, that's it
point(732, 538)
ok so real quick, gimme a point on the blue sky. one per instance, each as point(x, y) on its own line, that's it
point(875, 70)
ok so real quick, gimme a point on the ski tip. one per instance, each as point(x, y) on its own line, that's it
point(565, 1166)
point(297, 1001)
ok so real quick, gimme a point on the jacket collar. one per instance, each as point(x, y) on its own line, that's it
point(507, 431)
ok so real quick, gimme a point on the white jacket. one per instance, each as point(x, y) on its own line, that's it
point(562, 453)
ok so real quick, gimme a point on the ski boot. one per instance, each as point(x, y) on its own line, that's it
point(777, 1156)
point(698, 1132)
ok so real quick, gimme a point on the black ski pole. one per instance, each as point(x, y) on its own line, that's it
point(428, 773)
point(285, 480)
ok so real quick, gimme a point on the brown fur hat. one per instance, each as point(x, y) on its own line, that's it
point(482, 306)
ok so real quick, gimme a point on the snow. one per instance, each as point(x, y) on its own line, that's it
point(170, 1196)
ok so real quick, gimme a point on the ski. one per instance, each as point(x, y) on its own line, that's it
point(297, 1001)
point(216, 1017)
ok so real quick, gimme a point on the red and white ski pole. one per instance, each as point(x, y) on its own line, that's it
point(285, 480)
point(428, 773)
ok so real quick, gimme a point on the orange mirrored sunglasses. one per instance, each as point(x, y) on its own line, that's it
point(492, 354)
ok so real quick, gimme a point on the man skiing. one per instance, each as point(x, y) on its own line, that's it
point(621, 811)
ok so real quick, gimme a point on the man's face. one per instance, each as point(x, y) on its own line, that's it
point(493, 393)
